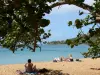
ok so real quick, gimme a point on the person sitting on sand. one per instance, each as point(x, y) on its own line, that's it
point(62, 59)
point(56, 60)
point(70, 57)
point(29, 67)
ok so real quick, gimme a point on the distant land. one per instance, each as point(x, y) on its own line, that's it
point(57, 42)
point(93, 39)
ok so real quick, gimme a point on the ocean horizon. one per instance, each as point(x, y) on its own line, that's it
point(47, 53)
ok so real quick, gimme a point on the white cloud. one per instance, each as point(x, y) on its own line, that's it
point(63, 9)
point(89, 2)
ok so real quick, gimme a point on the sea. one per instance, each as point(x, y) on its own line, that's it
point(47, 53)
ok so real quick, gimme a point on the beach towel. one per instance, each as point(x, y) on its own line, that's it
point(19, 72)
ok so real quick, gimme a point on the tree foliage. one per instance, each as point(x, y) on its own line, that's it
point(22, 24)
point(92, 38)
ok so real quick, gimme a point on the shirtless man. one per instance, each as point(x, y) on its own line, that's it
point(29, 67)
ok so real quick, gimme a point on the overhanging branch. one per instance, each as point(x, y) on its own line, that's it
point(81, 5)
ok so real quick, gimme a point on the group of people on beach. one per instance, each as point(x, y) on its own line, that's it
point(70, 59)
point(30, 68)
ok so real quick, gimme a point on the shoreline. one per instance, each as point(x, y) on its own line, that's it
point(72, 68)
point(38, 62)
point(25, 62)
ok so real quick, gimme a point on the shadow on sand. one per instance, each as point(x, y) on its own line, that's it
point(45, 71)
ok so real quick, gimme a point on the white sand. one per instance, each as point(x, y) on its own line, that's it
point(73, 68)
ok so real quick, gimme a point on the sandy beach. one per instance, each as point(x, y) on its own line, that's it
point(72, 68)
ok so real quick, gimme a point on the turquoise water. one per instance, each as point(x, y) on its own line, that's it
point(47, 54)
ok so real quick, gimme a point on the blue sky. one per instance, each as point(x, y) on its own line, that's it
point(59, 18)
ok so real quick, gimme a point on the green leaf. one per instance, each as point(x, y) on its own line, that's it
point(78, 23)
point(81, 13)
point(69, 23)
point(72, 46)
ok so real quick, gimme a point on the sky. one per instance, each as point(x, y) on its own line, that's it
point(59, 18)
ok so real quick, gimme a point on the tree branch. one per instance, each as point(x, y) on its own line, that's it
point(81, 5)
